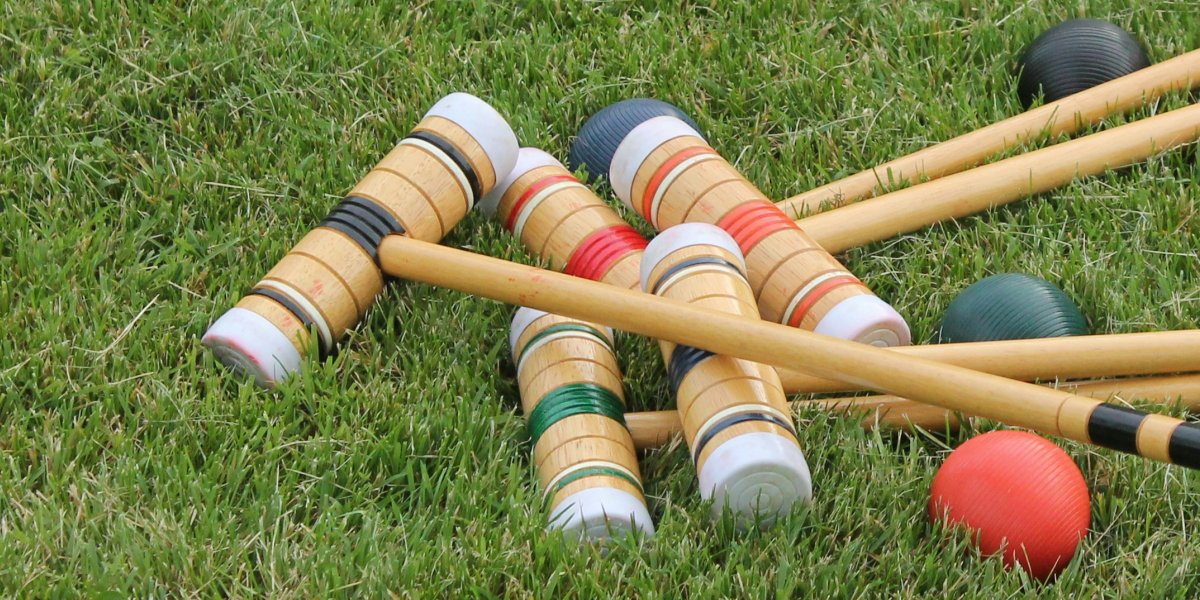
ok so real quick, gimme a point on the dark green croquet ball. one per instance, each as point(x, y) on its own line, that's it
point(1011, 306)
point(597, 140)
point(1075, 55)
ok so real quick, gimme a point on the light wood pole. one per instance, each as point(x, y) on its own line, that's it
point(1001, 182)
point(326, 283)
point(1053, 412)
point(968, 150)
point(654, 428)
point(1063, 358)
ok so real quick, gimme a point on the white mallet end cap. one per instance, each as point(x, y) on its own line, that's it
point(528, 159)
point(597, 514)
point(867, 320)
point(525, 317)
point(483, 123)
point(757, 476)
point(637, 146)
point(248, 343)
point(682, 236)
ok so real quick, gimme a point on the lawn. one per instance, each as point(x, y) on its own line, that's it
point(157, 159)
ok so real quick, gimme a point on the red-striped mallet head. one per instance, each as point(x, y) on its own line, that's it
point(559, 219)
point(667, 173)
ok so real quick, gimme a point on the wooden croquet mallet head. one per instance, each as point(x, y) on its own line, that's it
point(561, 220)
point(583, 453)
point(667, 173)
point(735, 416)
point(325, 285)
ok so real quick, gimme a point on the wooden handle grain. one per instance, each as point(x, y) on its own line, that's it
point(1001, 182)
point(1079, 357)
point(965, 151)
point(573, 229)
point(655, 428)
point(1020, 404)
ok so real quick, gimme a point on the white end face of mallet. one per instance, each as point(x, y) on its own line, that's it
point(485, 124)
point(756, 476)
point(248, 343)
point(867, 320)
point(597, 514)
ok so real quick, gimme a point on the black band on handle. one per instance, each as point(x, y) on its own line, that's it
point(732, 420)
point(1184, 448)
point(683, 359)
point(459, 159)
point(1115, 427)
point(326, 346)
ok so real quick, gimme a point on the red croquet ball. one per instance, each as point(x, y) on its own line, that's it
point(1018, 492)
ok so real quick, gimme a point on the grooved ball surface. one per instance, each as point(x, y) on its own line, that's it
point(600, 135)
point(1074, 56)
point(1017, 491)
point(1011, 306)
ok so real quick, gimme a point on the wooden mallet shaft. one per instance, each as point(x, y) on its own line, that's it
point(1079, 357)
point(1087, 420)
point(1001, 182)
point(651, 429)
point(968, 150)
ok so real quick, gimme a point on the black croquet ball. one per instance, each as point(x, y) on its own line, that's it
point(599, 136)
point(1075, 55)
point(1011, 306)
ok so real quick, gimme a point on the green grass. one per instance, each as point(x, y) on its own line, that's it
point(155, 160)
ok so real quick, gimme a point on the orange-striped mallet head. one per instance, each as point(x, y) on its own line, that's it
point(325, 285)
point(561, 220)
point(666, 172)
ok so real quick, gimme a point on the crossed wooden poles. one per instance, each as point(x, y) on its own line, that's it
point(379, 231)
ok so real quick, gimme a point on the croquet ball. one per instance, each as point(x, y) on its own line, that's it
point(1075, 55)
point(1019, 495)
point(1011, 306)
point(600, 135)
